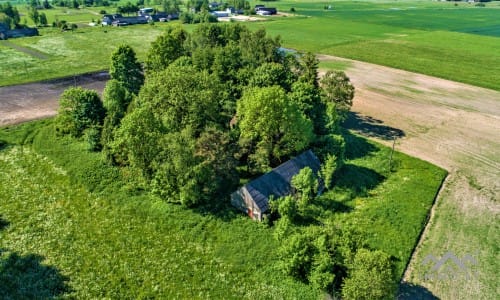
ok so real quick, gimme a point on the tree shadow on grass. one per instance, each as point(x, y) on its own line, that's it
point(357, 146)
point(3, 145)
point(358, 180)
point(24, 277)
point(409, 291)
point(3, 223)
point(371, 127)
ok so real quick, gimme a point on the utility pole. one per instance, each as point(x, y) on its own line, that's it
point(392, 152)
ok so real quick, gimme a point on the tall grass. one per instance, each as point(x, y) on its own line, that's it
point(118, 243)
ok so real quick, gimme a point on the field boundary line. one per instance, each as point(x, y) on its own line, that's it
point(425, 229)
point(31, 52)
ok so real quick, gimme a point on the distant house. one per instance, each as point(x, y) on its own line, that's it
point(221, 13)
point(265, 11)
point(145, 11)
point(119, 20)
point(253, 197)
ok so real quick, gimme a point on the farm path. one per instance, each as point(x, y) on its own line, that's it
point(457, 127)
point(21, 103)
point(29, 51)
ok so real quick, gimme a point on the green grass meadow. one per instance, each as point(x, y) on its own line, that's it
point(69, 227)
point(459, 42)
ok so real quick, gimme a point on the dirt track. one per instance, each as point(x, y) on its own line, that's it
point(21, 103)
point(453, 125)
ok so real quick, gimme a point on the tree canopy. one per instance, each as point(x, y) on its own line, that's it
point(79, 109)
point(271, 126)
point(126, 69)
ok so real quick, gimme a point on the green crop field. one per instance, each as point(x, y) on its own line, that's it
point(436, 38)
point(60, 239)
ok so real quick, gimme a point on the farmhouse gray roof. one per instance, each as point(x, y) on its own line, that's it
point(278, 181)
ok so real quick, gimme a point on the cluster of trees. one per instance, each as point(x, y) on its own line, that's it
point(221, 98)
point(128, 8)
point(208, 102)
point(39, 18)
point(331, 256)
point(11, 16)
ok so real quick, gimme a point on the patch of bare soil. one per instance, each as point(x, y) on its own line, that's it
point(21, 103)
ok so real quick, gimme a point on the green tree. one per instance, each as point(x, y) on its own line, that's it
point(328, 169)
point(194, 171)
point(34, 15)
point(166, 48)
point(322, 271)
point(370, 277)
point(181, 96)
point(177, 175)
point(257, 48)
point(271, 126)
point(46, 4)
point(306, 186)
point(137, 141)
point(297, 255)
point(43, 19)
point(217, 150)
point(308, 98)
point(269, 74)
point(116, 99)
point(309, 64)
point(338, 92)
point(126, 69)
point(287, 208)
point(79, 109)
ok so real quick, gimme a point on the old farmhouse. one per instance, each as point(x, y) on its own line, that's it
point(253, 197)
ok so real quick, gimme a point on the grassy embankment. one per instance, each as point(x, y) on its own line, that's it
point(59, 238)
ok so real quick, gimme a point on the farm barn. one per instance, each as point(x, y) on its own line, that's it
point(253, 197)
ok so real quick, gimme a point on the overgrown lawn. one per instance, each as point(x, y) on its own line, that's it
point(119, 242)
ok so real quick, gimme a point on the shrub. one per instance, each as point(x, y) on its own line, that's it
point(93, 138)
point(79, 109)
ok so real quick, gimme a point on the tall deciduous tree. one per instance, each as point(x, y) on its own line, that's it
point(338, 92)
point(269, 74)
point(166, 49)
point(137, 141)
point(126, 69)
point(308, 98)
point(116, 99)
point(43, 19)
point(181, 96)
point(309, 64)
point(34, 15)
point(272, 127)
point(79, 109)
